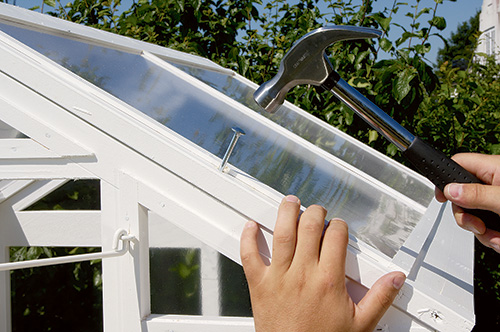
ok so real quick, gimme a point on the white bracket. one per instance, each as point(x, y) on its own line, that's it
point(120, 235)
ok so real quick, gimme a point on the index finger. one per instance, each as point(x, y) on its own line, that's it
point(485, 167)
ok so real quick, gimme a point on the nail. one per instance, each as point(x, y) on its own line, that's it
point(398, 281)
point(455, 190)
point(292, 199)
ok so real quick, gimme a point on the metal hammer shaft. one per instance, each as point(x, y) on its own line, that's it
point(371, 113)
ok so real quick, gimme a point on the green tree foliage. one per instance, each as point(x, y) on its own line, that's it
point(460, 47)
point(56, 298)
point(463, 115)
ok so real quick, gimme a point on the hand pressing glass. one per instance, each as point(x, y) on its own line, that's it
point(476, 196)
point(304, 287)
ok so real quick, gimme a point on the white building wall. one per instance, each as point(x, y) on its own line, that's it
point(489, 26)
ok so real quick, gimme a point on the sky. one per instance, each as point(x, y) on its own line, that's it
point(455, 12)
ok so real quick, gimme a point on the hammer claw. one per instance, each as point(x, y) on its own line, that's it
point(306, 63)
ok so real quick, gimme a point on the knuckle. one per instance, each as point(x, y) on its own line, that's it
point(475, 192)
point(317, 209)
point(313, 227)
point(313, 219)
point(284, 238)
point(299, 280)
point(328, 281)
point(245, 256)
point(385, 300)
point(248, 257)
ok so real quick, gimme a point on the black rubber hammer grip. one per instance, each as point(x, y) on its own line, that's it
point(441, 170)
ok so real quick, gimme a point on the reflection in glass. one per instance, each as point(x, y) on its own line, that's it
point(235, 297)
point(321, 135)
point(175, 281)
point(378, 215)
point(190, 278)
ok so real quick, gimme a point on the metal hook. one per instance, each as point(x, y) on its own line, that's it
point(120, 235)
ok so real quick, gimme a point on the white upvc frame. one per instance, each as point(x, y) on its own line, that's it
point(146, 167)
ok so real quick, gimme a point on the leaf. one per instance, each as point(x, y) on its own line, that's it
point(392, 150)
point(57, 207)
point(382, 20)
point(423, 11)
point(460, 117)
point(476, 100)
point(405, 37)
point(33, 253)
point(462, 74)
point(73, 196)
point(51, 3)
point(479, 90)
point(372, 135)
point(359, 82)
point(47, 252)
point(494, 148)
point(402, 86)
point(348, 114)
point(385, 44)
point(361, 56)
point(196, 5)
point(439, 22)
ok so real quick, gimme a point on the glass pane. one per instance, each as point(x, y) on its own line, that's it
point(7, 131)
point(73, 195)
point(65, 297)
point(235, 297)
point(175, 281)
point(377, 214)
point(321, 135)
point(190, 278)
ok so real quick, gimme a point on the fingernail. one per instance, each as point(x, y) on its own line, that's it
point(455, 190)
point(399, 281)
point(473, 229)
point(292, 199)
point(250, 224)
point(495, 247)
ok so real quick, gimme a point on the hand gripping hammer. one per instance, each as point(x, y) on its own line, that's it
point(306, 63)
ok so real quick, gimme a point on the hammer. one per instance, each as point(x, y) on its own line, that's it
point(307, 63)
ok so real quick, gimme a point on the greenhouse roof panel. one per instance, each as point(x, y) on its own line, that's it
point(379, 198)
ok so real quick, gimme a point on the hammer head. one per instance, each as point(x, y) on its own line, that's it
point(306, 63)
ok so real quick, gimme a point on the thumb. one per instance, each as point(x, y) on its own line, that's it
point(251, 260)
point(474, 196)
point(379, 298)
